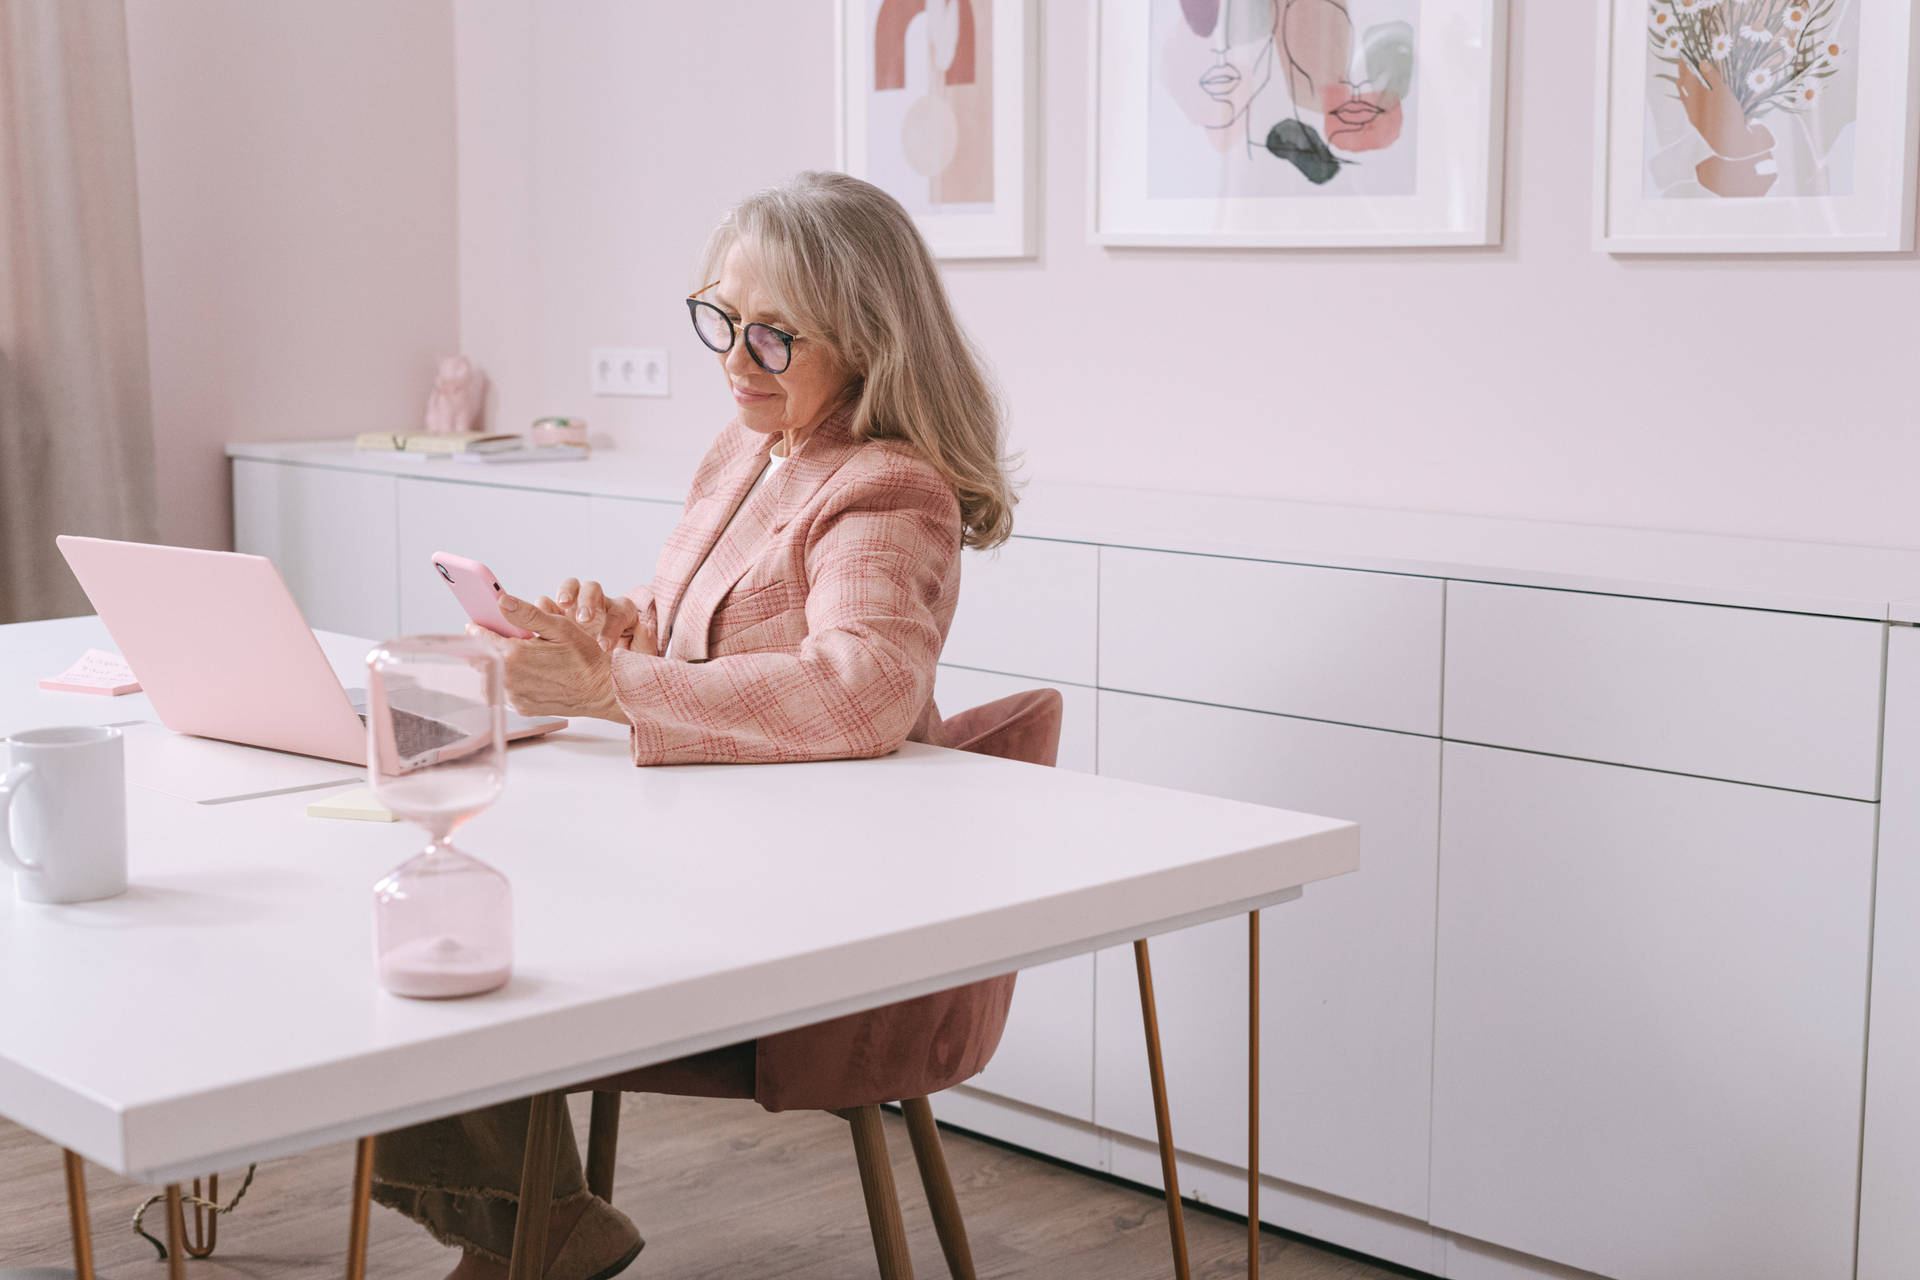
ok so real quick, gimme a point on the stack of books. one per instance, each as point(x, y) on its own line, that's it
point(468, 446)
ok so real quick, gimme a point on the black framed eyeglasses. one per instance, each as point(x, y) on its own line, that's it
point(771, 348)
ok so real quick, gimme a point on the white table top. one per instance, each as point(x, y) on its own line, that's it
point(225, 1008)
point(1805, 577)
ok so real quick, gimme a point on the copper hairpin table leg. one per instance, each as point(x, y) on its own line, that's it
point(77, 1218)
point(176, 1235)
point(1176, 1223)
point(206, 1222)
point(361, 1210)
point(1253, 1095)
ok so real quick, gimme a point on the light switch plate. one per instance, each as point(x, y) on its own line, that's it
point(628, 371)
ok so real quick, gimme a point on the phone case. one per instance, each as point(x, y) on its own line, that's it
point(478, 592)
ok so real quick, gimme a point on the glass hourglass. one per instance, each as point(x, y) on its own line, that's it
point(436, 756)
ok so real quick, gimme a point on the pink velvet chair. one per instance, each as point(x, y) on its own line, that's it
point(851, 1065)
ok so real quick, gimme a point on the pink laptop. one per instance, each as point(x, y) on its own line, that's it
point(221, 650)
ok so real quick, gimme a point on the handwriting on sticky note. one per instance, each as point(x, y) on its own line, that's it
point(97, 671)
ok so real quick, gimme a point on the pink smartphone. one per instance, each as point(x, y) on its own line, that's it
point(478, 592)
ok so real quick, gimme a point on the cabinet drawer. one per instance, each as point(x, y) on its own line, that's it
point(1028, 608)
point(624, 540)
point(1890, 1163)
point(1650, 1018)
point(1045, 1058)
point(1779, 699)
point(331, 535)
point(1347, 971)
point(530, 538)
point(1360, 648)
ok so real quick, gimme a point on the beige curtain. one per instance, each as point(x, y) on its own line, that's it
point(76, 436)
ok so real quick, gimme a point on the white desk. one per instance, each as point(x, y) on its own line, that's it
point(225, 1009)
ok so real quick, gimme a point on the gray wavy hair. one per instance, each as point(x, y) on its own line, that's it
point(845, 263)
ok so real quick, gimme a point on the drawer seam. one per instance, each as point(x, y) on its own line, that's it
point(1646, 768)
point(1261, 711)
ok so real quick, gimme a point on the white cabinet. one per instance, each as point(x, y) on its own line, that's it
point(529, 537)
point(1030, 608)
point(1650, 1019)
point(1780, 699)
point(330, 533)
point(1890, 1164)
point(1359, 648)
point(624, 537)
point(1346, 972)
point(1045, 1058)
point(1632, 1041)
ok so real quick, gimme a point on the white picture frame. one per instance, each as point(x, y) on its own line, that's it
point(1875, 216)
point(1009, 226)
point(1457, 191)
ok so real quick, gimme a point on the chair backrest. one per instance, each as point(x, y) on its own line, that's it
point(1022, 726)
point(933, 1042)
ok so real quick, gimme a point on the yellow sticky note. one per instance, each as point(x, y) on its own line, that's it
point(357, 804)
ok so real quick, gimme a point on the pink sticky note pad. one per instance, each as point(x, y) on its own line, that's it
point(97, 671)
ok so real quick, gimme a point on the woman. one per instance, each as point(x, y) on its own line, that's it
point(797, 611)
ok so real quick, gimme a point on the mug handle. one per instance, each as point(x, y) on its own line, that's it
point(9, 783)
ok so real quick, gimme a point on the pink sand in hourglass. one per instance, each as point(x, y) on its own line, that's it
point(441, 967)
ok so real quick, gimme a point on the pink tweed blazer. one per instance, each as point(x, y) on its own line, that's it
point(816, 634)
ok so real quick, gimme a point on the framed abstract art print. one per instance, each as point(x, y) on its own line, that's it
point(1755, 126)
point(937, 104)
point(1294, 123)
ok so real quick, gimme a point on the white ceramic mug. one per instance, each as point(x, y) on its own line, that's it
point(63, 814)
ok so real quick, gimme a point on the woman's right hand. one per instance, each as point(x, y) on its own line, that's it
point(614, 619)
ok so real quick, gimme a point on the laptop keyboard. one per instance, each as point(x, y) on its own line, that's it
point(415, 735)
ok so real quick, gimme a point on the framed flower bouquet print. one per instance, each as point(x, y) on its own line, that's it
point(937, 103)
point(1755, 126)
point(1284, 123)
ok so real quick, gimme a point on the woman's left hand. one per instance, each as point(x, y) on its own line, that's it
point(562, 671)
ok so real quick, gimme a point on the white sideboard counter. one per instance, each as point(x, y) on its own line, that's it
point(1598, 996)
point(609, 473)
point(1757, 573)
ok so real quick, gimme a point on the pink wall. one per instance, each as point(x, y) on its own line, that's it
point(298, 222)
point(599, 139)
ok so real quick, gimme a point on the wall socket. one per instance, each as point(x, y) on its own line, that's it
point(628, 371)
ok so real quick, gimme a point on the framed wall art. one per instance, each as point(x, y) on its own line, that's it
point(937, 103)
point(1755, 126)
point(1293, 123)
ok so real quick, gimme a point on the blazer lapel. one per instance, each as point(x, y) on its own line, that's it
point(765, 516)
point(831, 444)
point(717, 494)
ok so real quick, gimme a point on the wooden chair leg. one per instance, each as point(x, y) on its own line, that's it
point(361, 1210)
point(1176, 1223)
point(176, 1235)
point(883, 1202)
point(927, 1153)
point(548, 1111)
point(603, 1139)
point(77, 1217)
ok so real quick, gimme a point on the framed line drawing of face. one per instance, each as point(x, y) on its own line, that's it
point(936, 106)
point(1755, 126)
point(1297, 123)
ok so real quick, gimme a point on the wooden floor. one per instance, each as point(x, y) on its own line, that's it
point(723, 1191)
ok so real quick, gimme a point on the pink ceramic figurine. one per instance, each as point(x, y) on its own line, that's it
point(458, 392)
